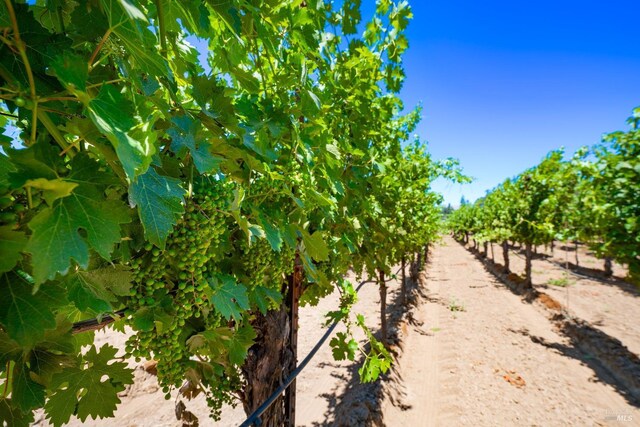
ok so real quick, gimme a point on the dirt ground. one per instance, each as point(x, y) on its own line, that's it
point(611, 305)
point(319, 387)
point(484, 357)
point(477, 354)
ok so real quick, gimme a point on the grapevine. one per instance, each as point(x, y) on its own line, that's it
point(587, 198)
point(176, 162)
point(177, 276)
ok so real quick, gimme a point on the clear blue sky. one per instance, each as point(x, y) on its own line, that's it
point(504, 82)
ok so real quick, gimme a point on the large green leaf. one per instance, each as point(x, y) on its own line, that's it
point(57, 236)
point(239, 343)
point(273, 234)
point(129, 23)
point(24, 315)
point(315, 246)
point(81, 390)
point(13, 416)
point(27, 394)
point(95, 290)
point(229, 297)
point(185, 137)
point(113, 115)
point(86, 295)
point(11, 244)
point(160, 203)
point(72, 71)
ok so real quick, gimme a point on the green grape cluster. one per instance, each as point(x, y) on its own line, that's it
point(262, 265)
point(265, 267)
point(180, 272)
point(221, 394)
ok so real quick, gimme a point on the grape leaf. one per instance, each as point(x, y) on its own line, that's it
point(86, 295)
point(351, 16)
point(11, 244)
point(9, 349)
point(109, 281)
point(183, 137)
point(27, 394)
point(54, 352)
point(87, 24)
point(81, 390)
point(228, 297)
point(372, 367)
point(97, 289)
point(131, 26)
point(143, 319)
point(37, 161)
point(274, 237)
point(315, 246)
point(52, 189)
point(13, 416)
point(72, 71)
point(264, 298)
point(56, 237)
point(343, 349)
point(24, 315)
point(113, 115)
point(239, 344)
point(159, 200)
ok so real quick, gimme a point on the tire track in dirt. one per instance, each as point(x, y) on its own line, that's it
point(485, 357)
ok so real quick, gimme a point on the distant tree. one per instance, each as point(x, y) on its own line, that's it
point(463, 201)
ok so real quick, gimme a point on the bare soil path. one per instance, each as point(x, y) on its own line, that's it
point(611, 305)
point(484, 357)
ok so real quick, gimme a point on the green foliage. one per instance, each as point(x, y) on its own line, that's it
point(229, 298)
point(183, 189)
point(592, 197)
point(83, 391)
point(159, 201)
point(23, 315)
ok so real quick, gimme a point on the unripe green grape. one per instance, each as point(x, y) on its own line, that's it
point(5, 202)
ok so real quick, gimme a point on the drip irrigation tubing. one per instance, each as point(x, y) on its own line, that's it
point(254, 418)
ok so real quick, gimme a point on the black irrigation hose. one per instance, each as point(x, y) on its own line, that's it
point(254, 418)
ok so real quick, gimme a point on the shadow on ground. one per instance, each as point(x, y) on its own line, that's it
point(610, 360)
point(359, 404)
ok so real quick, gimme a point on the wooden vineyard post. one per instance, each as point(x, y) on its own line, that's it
point(527, 266)
point(293, 302)
point(608, 267)
point(383, 307)
point(403, 288)
point(505, 255)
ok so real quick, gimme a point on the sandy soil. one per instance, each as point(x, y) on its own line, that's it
point(483, 357)
point(611, 305)
point(319, 387)
point(476, 355)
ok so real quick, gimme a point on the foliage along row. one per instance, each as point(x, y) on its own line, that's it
point(172, 158)
point(594, 198)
